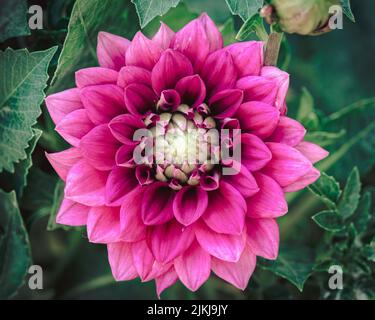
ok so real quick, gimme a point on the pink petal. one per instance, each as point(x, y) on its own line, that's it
point(225, 103)
point(169, 240)
point(189, 204)
point(255, 154)
point(142, 258)
point(163, 37)
point(287, 164)
point(111, 50)
point(157, 270)
point(121, 181)
point(263, 237)
point(193, 267)
point(62, 161)
point(103, 225)
point(210, 181)
point(281, 81)
point(169, 100)
point(121, 261)
point(132, 74)
point(171, 67)
point(95, 76)
point(226, 247)
point(236, 273)
point(219, 72)
point(86, 185)
point(99, 147)
point(269, 202)
point(309, 178)
point(144, 175)
point(258, 118)
point(61, 103)
point(74, 126)
point(124, 156)
point(139, 99)
point(165, 280)
point(157, 204)
point(142, 52)
point(226, 210)
point(72, 213)
point(258, 89)
point(247, 57)
point(288, 131)
point(312, 151)
point(123, 127)
point(243, 181)
point(214, 36)
point(103, 102)
point(192, 90)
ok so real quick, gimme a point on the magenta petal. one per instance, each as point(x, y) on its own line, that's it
point(225, 103)
point(144, 175)
point(219, 72)
point(62, 103)
point(258, 89)
point(157, 204)
point(281, 81)
point(258, 118)
point(169, 100)
point(247, 57)
point(72, 213)
point(139, 99)
point(287, 164)
point(157, 270)
point(99, 147)
point(309, 178)
point(164, 36)
point(288, 131)
point(142, 52)
point(312, 151)
point(123, 127)
point(103, 225)
point(189, 204)
point(124, 156)
point(132, 74)
point(193, 267)
point(95, 76)
point(255, 154)
point(111, 50)
point(215, 39)
point(142, 258)
point(237, 273)
point(171, 67)
point(165, 280)
point(269, 202)
point(62, 161)
point(243, 181)
point(121, 181)
point(86, 185)
point(226, 247)
point(263, 237)
point(169, 240)
point(226, 210)
point(74, 126)
point(192, 90)
point(103, 102)
point(121, 261)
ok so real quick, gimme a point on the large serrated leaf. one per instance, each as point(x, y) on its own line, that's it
point(350, 196)
point(362, 215)
point(23, 79)
point(244, 8)
point(13, 19)
point(327, 189)
point(15, 255)
point(149, 9)
point(329, 220)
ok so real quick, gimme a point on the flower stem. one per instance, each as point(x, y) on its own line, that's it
point(273, 48)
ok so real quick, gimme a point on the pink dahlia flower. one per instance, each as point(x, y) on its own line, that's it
point(172, 219)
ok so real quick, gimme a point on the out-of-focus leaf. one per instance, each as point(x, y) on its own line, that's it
point(362, 214)
point(253, 25)
point(306, 112)
point(369, 251)
point(293, 263)
point(87, 19)
point(13, 19)
point(228, 32)
point(329, 220)
point(325, 139)
point(149, 9)
point(23, 78)
point(350, 196)
point(328, 189)
point(346, 8)
point(57, 198)
point(17, 180)
point(15, 255)
point(244, 8)
point(217, 10)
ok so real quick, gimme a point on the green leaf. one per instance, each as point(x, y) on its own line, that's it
point(369, 251)
point(87, 19)
point(327, 189)
point(228, 32)
point(55, 206)
point(350, 197)
point(15, 255)
point(17, 180)
point(13, 19)
point(346, 8)
point(244, 8)
point(325, 139)
point(362, 214)
point(306, 111)
point(253, 25)
point(295, 264)
point(23, 79)
point(149, 9)
point(329, 220)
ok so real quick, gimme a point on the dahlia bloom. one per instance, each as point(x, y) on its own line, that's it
point(175, 220)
